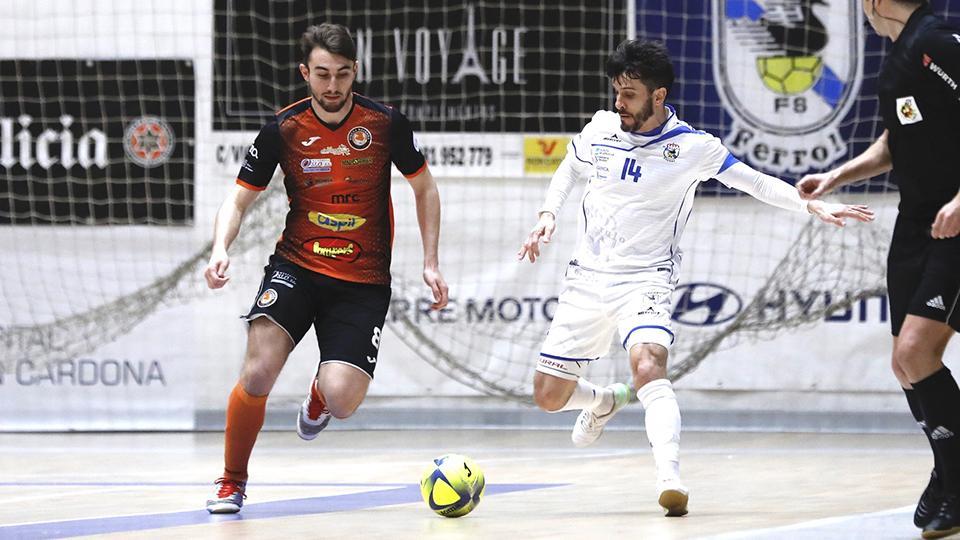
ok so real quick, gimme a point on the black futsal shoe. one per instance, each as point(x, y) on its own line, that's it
point(929, 502)
point(946, 520)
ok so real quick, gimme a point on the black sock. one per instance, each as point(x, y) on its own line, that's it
point(939, 399)
point(914, 404)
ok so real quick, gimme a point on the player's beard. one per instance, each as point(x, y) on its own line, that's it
point(646, 111)
point(330, 107)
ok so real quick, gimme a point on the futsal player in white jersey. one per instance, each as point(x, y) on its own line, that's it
point(642, 166)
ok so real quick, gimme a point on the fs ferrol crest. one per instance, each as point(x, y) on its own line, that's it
point(788, 72)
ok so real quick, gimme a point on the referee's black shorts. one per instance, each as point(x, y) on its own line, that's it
point(923, 275)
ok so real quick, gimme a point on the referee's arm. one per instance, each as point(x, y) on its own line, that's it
point(873, 161)
point(942, 60)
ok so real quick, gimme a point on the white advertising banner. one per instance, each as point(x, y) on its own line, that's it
point(743, 260)
point(464, 155)
point(145, 380)
point(472, 155)
point(186, 354)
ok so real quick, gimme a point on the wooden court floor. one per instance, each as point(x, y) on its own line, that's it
point(363, 484)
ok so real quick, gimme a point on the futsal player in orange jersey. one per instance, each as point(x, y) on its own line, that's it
point(331, 267)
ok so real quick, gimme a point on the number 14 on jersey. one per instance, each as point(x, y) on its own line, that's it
point(630, 168)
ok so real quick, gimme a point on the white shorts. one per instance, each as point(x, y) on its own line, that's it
point(593, 306)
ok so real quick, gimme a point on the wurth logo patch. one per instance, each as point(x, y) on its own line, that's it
point(932, 66)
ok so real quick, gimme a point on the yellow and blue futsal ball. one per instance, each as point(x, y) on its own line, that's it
point(452, 486)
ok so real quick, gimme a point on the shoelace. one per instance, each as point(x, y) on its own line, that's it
point(228, 488)
point(590, 422)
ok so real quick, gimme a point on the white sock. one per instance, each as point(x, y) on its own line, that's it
point(662, 420)
point(589, 396)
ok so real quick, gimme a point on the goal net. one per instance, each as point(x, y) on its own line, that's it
point(104, 219)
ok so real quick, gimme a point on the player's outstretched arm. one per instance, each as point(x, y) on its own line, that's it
point(543, 230)
point(428, 216)
point(837, 213)
point(778, 193)
point(873, 161)
point(225, 230)
point(564, 178)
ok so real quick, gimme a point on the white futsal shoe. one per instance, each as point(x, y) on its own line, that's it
point(228, 499)
point(673, 497)
point(589, 425)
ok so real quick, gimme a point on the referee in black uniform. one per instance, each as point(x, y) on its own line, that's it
point(920, 105)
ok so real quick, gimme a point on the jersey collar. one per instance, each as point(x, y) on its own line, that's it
point(912, 23)
point(670, 128)
point(671, 115)
point(334, 127)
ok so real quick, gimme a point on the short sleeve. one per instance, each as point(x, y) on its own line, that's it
point(940, 54)
point(261, 159)
point(404, 152)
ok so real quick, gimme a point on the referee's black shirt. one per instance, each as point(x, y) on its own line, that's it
point(920, 105)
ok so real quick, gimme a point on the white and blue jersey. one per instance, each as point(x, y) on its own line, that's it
point(638, 197)
point(640, 189)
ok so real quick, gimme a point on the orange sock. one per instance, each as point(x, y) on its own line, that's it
point(317, 403)
point(244, 419)
point(315, 393)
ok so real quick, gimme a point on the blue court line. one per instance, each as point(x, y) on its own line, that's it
point(292, 507)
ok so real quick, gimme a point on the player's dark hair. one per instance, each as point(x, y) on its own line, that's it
point(330, 37)
point(647, 61)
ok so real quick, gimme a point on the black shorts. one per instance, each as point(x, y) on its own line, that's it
point(923, 275)
point(347, 317)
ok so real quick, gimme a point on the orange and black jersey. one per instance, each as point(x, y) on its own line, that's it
point(337, 178)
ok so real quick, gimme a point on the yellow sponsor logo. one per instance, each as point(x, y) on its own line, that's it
point(356, 162)
point(332, 252)
point(336, 222)
point(542, 155)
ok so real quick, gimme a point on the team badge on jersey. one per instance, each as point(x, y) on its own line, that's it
point(787, 72)
point(671, 151)
point(359, 138)
point(267, 299)
point(148, 141)
point(907, 111)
